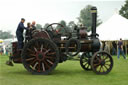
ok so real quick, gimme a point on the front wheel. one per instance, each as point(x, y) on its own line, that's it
point(85, 61)
point(101, 63)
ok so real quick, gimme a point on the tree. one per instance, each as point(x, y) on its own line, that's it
point(124, 10)
point(71, 25)
point(38, 26)
point(62, 22)
point(85, 17)
point(66, 28)
point(5, 34)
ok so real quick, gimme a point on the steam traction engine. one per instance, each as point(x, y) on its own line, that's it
point(46, 49)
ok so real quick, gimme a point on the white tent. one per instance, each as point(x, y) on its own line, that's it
point(114, 28)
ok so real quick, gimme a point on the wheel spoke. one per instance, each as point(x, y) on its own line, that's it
point(107, 61)
point(100, 69)
point(98, 58)
point(46, 64)
point(88, 66)
point(47, 51)
point(41, 48)
point(50, 61)
point(30, 59)
point(52, 53)
point(85, 64)
point(32, 62)
point(34, 66)
point(49, 57)
point(107, 64)
point(106, 57)
point(35, 49)
point(105, 67)
point(95, 65)
point(38, 66)
point(32, 55)
point(84, 60)
point(43, 66)
point(30, 50)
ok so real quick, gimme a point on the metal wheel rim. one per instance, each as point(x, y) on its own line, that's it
point(102, 63)
point(44, 64)
point(84, 62)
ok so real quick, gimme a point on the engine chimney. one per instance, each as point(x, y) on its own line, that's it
point(94, 19)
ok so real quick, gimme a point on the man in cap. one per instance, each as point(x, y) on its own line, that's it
point(19, 33)
point(20, 38)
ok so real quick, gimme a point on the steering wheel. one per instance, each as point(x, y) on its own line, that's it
point(53, 27)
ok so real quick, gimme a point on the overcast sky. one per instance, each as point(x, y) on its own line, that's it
point(50, 11)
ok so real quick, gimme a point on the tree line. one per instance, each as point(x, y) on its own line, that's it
point(5, 34)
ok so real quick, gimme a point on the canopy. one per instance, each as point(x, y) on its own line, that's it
point(114, 28)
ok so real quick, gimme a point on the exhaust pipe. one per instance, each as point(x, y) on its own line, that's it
point(94, 19)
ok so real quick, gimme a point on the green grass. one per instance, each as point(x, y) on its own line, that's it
point(67, 73)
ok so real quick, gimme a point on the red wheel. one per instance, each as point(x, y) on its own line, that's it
point(40, 56)
point(102, 63)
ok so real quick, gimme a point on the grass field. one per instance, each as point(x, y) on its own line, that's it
point(67, 73)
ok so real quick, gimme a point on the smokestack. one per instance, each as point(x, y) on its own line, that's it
point(94, 19)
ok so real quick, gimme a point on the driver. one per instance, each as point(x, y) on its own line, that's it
point(19, 33)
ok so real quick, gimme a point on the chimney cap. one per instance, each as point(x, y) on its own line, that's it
point(93, 9)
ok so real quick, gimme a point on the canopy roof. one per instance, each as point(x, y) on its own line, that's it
point(114, 28)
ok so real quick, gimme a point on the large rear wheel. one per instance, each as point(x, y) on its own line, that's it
point(40, 56)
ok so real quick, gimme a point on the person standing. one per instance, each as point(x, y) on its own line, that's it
point(6, 49)
point(106, 48)
point(114, 45)
point(2, 51)
point(33, 25)
point(19, 33)
point(28, 29)
point(28, 34)
point(120, 49)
